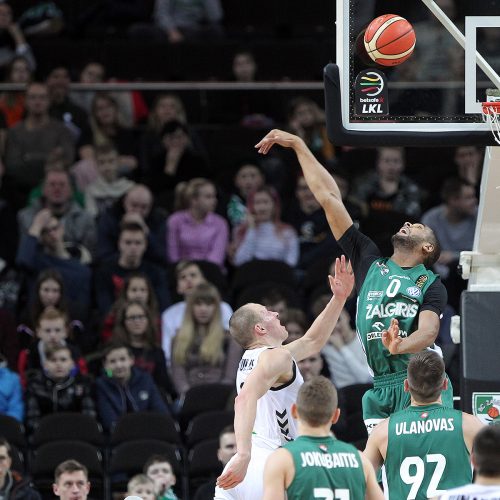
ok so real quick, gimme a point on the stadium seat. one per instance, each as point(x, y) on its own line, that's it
point(207, 425)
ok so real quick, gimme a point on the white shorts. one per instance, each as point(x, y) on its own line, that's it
point(252, 487)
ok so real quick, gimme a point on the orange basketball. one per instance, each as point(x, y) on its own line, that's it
point(389, 40)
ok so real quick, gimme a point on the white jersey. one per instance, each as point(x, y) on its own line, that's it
point(473, 492)
point(274, 425)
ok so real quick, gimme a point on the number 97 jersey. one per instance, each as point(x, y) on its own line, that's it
point(426, 452)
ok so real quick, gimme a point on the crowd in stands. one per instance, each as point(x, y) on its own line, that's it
point(126, 242)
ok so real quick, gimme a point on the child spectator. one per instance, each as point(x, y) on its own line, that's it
point(197, 232)
point(11, 392)
point(124, 388)
point(159, 469)
point(188, 275)
point(137, 286)
point(264, 236)
point(141, 486)
point(136, 327)
point(57, 388)
point(52, 330)
point(108, 187)
point(203, 352)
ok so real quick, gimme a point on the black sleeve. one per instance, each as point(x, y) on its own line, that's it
point(435, 298)
point(361, 252)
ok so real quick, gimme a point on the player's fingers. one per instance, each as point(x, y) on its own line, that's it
point(342, 263)
point(337, 266)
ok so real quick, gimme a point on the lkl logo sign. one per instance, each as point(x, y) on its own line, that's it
point(371, 93)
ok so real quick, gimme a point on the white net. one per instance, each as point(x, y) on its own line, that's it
point(491, 115)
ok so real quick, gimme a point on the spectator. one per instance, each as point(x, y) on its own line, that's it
point(227, 449)
point(178, 160)
point(469, 164)
point(248, 178)
point(124, 388)
point(92, 72)
point(71, 481)
point(52, 330)
point(9, 342)
point(135, 326)
point(453, 223)
point(160, 471)
point(244, 66)
point(11, 392)
point(12, 102)
point(12, 38)
point(57, 197)
point(108, 187)
point(30, 142)
point(276, 300)
point(189, 20)
point(12, 485)
point(264, 236)
point(132, 243)
point(57, 388)
point(135, 206)
point(61, 105)
point(43, 247)
point(295, 323)
point(188, 276)
point(141, 486)
point(197, 233)
point(203, 352)
point(137, 286)
point(344, 355)
point(313, 366)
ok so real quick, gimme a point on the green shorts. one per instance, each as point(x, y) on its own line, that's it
point(388, 396)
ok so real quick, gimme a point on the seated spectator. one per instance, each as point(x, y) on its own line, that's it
point(202, 351)
point(108, 187)
point(57, 388)
point(178, 160)
point(124, 388)
point(44, 247)
point(91, 72)
point(11, 392)
point(12, 102)
point(263, 235)
point(344, 355)
point(197, 233)
point(189, 20)
point(135, 326)
point(188, 276)
point(137, 287)
point(141, 486)
point(274, 299)
point(313, 366)
point(160, 471)
point(12, 484)
point(296, 323)
point(454, 224)
point(309, 220)
point(30, 142)
point(109, 277)
point(469, 162)
point(135, 206)
point(61, 105)
point(13, 43)
point(248, 178)
point(57, 197)
point(71, 480)
point(226, 451)
point(52, 330)
point(307, 120)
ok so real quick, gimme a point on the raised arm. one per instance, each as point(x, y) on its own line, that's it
point(319, 332)
point(271, 366)
point(320, 182)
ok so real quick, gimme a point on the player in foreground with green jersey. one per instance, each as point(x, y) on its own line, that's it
point(316, 465)
point(426, 447)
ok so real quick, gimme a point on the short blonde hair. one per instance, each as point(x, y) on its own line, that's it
point(139, 479)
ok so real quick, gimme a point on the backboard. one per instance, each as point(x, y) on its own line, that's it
point(434, 97)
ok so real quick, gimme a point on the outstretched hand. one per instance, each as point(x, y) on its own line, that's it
point(280, 137)
point(391, 338)
point(342, 283)
point(234, 473)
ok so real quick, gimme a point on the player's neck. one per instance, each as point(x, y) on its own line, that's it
point(405, 258)
point(309, 430)
point(438, 401)
point(487, 481)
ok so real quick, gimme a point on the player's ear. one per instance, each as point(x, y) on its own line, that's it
point(295, 412)
point(336, 416)
point(428, 247)
point(406, 385)
point(445, 384)
point(259, 329)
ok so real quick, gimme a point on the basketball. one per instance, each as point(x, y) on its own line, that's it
point(389, 40)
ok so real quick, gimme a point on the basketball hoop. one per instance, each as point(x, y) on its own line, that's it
point(491, 115)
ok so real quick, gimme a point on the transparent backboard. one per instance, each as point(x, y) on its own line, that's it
point(441, 86)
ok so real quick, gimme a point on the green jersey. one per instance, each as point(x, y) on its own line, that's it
point(426, 452)
point(389, 291)
point(325, 468)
